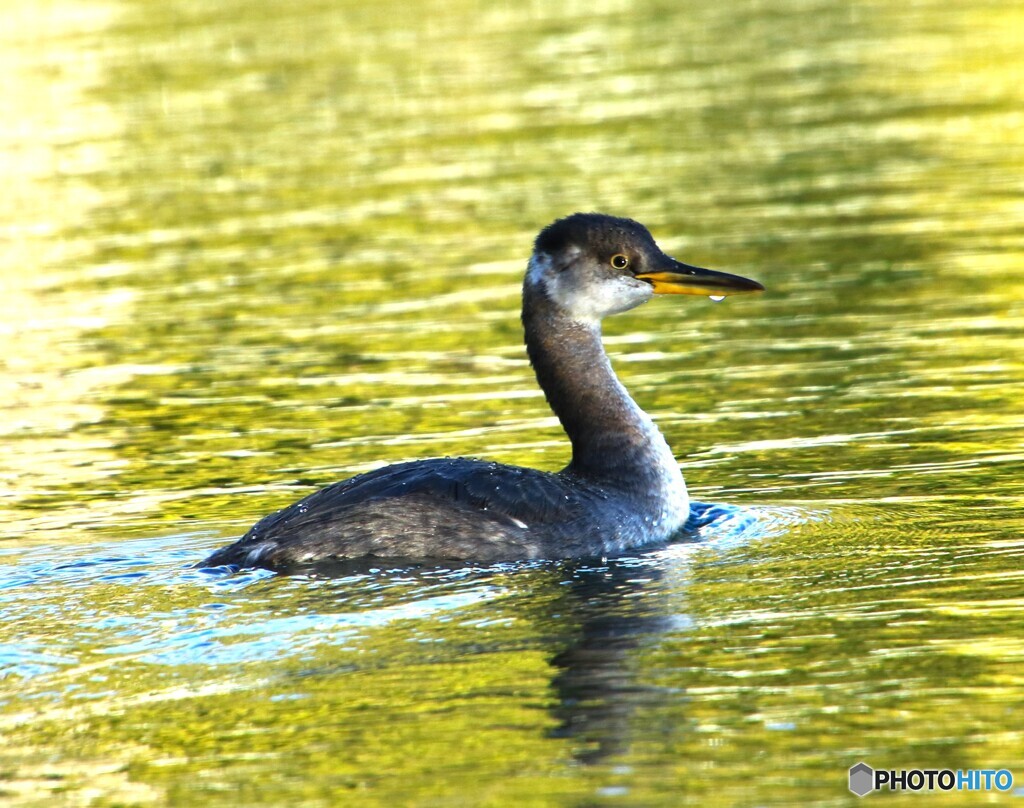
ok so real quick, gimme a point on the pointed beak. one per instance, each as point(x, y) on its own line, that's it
point(676, 278)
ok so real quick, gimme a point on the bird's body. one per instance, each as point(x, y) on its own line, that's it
point(623, 488)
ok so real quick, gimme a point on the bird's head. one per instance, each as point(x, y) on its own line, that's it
point(591, 265)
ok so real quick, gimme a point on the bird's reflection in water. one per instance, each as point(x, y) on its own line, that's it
point(595, 683)
point(602, 613)
point(619, 606)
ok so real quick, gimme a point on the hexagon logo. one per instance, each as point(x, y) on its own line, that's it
point(862, 779)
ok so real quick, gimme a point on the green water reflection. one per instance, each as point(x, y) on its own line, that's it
point(252, 248)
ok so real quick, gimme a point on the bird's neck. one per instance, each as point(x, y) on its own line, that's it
point(613, 440)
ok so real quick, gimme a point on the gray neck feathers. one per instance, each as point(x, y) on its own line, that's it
point(613, 440)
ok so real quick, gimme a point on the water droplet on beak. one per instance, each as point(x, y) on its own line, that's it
point(716, 298)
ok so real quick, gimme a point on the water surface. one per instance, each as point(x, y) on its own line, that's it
point(251, 249)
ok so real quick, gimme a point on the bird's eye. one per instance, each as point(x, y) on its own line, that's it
point(620, 261)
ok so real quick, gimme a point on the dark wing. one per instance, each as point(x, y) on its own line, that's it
point(507, 495)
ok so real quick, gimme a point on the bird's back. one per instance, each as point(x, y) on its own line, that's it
point(444, 508)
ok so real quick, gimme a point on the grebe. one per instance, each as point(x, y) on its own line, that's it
point(623, 488)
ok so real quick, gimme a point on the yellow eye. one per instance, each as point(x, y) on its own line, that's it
point(620, 261)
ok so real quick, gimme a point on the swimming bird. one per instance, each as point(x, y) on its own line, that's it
point(622, 489)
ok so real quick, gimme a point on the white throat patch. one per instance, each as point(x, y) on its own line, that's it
point(585, 300)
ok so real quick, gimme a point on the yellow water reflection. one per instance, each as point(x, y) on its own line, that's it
point(57, 133)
